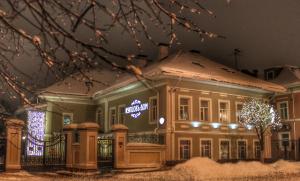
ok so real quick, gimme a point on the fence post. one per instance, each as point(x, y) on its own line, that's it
point(68, 131)
point(13, 144)
point(120, 134)
point(88, 133)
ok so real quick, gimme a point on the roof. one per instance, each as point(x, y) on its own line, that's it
point(183, 64)
point(288, 76)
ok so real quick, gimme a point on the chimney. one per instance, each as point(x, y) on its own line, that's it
point(163, 51)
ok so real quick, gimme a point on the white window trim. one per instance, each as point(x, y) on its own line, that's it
point(254, 140)
point(211, 149)
point(119, 112)
point(149, 111)
point(236, 110)
point(273, 74)
point(178, 146)
point(287, 107)
point(210, 108)
point(237, 148)
point(109, 116)
point(99, 108)
point(280, 139)
point(190, 106)
point(69, 114)
point(229, 115)
point(224, 139)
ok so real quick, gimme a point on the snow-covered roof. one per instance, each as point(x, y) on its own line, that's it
point(183, 64)
point(288, 76)
point(77, 85)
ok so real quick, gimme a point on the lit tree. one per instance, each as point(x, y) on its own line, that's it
point(262, 117)
point(73, 35)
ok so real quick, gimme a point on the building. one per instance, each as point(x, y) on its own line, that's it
point(191, 102)
point(286, 141)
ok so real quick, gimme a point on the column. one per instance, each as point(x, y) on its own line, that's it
point(13, 144)
point(88, 134)
point(120, 135)
point(68, 131)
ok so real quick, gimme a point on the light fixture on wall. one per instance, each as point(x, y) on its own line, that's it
point(196, 124)
point(215, 125)
point(233, 126)
point(161, 120)
point(249, 127)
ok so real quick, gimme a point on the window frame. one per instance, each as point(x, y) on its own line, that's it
point(270, 72)
point(190, 107)
point(254, 149)
point(281, 140)
point(287, 109)
point(191, 146)
point(228, 110)
point(119, 113)
point(150, 120)
point(211, 147)
point(110, 116)
point(209, 108)
point(70, 114)
point(97, 120)
point(236, 111)
point(224, 139)
point(237, 149)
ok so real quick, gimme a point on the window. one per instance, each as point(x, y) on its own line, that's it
point(239, 107)
point(184, 149)
point(206, 146)
point(185, 108)
point(205, 109)
point(67, 118)
point(241, 149)
point(100, 119)
point(153, 110)
point(112, 116)
point(224, 111)
point(256, 147)
point(224, 149)
point(284, 140)
point(283, 110)
point(270, 75)
point(121, 114)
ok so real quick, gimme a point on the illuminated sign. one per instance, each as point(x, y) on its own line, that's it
point(36, 127)
point(136, 108)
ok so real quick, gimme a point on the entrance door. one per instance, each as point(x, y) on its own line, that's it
point(105, 153)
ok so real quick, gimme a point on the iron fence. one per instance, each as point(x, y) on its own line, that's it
point(146, 138)
point(2, 153)
point(105, 152)
point(43, 154)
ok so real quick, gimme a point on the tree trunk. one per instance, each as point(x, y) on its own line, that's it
point(262, 156)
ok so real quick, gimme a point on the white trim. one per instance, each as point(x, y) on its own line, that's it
point(69, 114)
point(73, 99)
point(224, 139)
point(99, 108)
point(119, 113)
point(178, 146)
point(109, 116)
point(209, 106)
point(218, 133)
point(280, 139)
point(237, 148)
point(211, 146)
point(229, 110)
point(190, 104)
point(149, 110)
point(236, 110)
point(287, 107)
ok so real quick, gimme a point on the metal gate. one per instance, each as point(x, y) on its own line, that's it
point(2, 153)
point(286, 149)
point(105, 152)
point(47, 154)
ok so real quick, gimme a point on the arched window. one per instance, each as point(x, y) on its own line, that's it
point(100, 119)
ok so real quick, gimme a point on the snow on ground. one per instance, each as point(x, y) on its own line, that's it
point(201, 169)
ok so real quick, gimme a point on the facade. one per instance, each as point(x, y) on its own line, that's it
point(189, 101)
point(286, 141)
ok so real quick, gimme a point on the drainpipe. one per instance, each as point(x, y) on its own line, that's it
point(295, 150)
